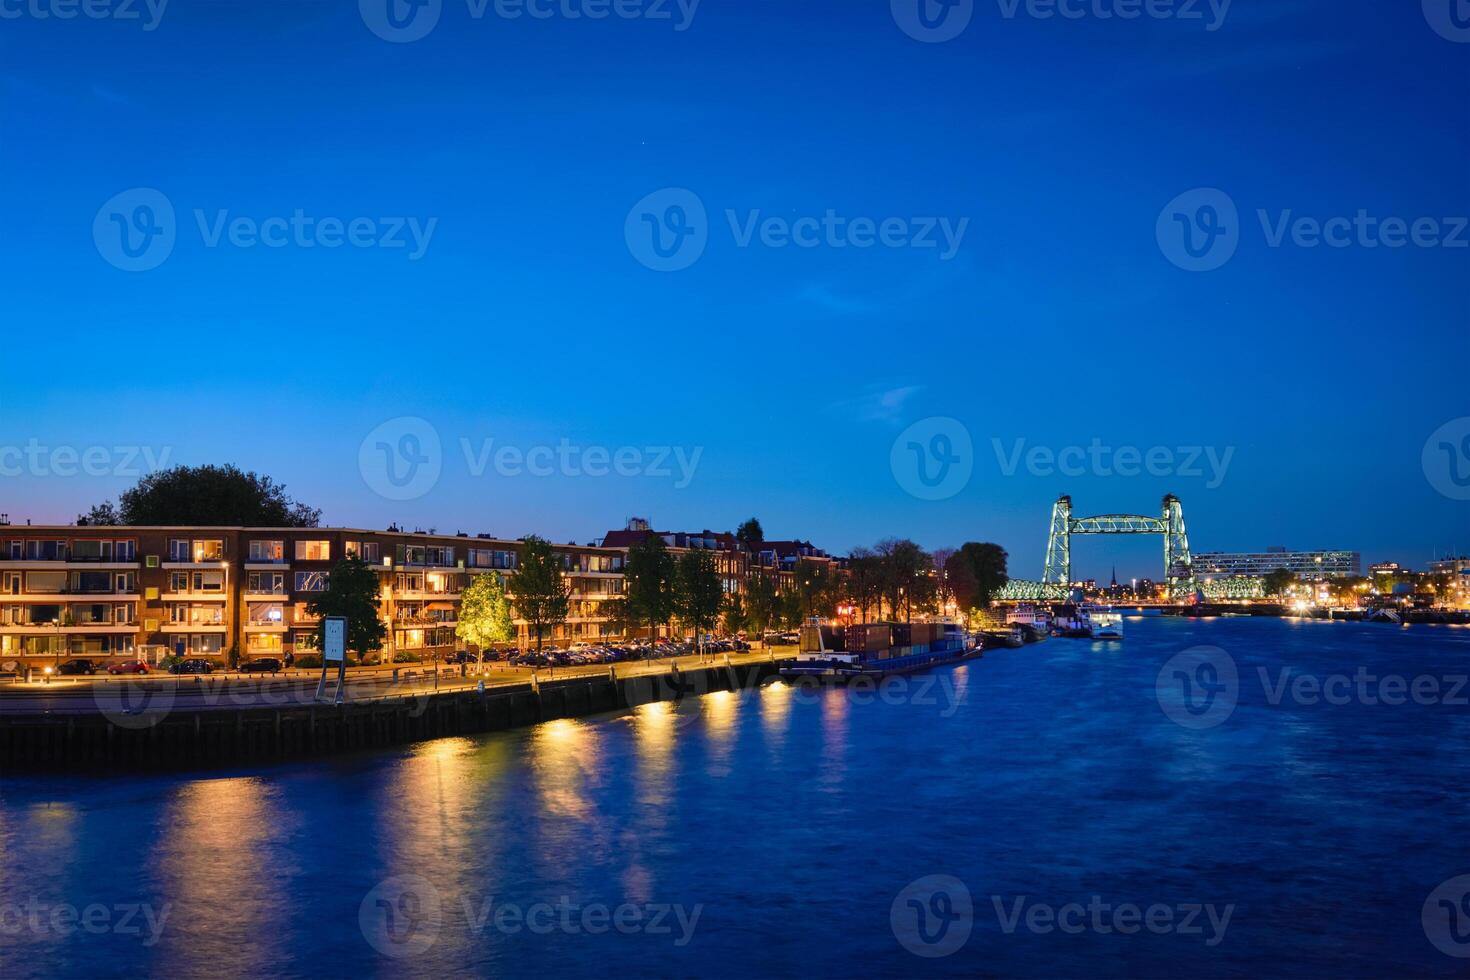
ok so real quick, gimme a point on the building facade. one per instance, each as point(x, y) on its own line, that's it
point(117, 593)
point(1306, 565)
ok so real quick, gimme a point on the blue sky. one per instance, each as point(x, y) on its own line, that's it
point(1058, 320)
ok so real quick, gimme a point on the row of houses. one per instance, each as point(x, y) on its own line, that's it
point(119, 593)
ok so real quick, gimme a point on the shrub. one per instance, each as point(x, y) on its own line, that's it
point(308, 660)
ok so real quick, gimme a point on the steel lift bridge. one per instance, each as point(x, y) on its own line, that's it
point(1056, 581)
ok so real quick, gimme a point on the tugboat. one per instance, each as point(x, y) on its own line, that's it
point(1106, 624)
point(1034, 621)
point(1073, 622)
point(878, 649)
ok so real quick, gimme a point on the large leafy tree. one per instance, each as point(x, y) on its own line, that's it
point(986, 563)
point(735, 617)
point(904, 571)
point(205, 496)
point(816, 587)
point(353, 592)
point(750, 534)
point(1277, 580)
point(698, 594)
point(760, 603)
point(543, 595)
point(649, 576)
point(484, 613)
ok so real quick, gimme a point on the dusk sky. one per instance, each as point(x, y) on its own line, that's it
point(1026, 168)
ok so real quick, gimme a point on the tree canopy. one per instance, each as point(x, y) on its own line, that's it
point(698, 594)
point(649, 576)
point(204, 496)
point(750, 534)
point(484, 613)
point(353, 592)
point(543, 596)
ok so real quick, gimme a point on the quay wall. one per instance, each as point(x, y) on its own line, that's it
point(220, 737)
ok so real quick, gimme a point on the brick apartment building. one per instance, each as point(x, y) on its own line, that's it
point(144, 592)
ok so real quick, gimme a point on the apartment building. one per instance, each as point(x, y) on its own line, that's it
point(136, 592)
point(1305, 565)
point(733, 561)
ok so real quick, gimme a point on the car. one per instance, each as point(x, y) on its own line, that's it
point(74, 667)
point(128, 667)
point(261, 665)
point(193, 666)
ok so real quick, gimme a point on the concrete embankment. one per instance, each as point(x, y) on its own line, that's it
point(171, 739)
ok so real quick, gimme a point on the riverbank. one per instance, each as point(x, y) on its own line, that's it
point(138, 727)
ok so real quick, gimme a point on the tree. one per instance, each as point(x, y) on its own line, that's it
point(904, 571)
point(205, 496)
point(788, 610)
point(484, 613)
point(736, 618)
point(543, 596)
point(649, 577)
point(987, 565)
point(750, 534)
point(959, 579)
point(353, 592)
point(816, 588)
point(864, 582)
point(760, 603)
point(1276, 581)
point(698, 593)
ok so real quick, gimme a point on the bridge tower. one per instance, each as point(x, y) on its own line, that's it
point(1059, 545)
point(1178, 565)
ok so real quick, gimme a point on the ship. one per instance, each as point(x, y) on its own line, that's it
point(1034, 621)
point(878, 649)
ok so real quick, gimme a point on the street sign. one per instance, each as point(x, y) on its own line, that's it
point(335, 649)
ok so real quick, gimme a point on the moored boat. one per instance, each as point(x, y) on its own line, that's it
point(878, 649)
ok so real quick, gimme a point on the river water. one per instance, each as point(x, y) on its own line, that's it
point(1232, 797)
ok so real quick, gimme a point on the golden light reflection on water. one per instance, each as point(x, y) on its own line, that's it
point(720, 710)
point(565, 756)
point(210, 855)
point(775, 705)
point(835, 704)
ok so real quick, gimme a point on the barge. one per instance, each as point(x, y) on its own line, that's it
point(877, 650)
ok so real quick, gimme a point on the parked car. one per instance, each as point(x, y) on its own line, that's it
point(261, 665)
point(194, 666)
point(74, 667)
point(128, 667)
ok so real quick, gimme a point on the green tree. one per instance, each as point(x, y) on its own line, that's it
point(698, 594)
point(789, 611)
point(959, 579)
point(205, 496)
point(816, 587)
point(987, 566)
point(750, 534)
point(760, 604)
point(904, 572)
point(649, 577)
point(354, 593)
point(735, 616)
point(543, 595)
point(485, 617)
point(864, 580)
point(1276, 581)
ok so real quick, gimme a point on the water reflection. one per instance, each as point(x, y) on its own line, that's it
point(775, 711)
point(720, 709)
point(221, 875)
point(835, 707)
